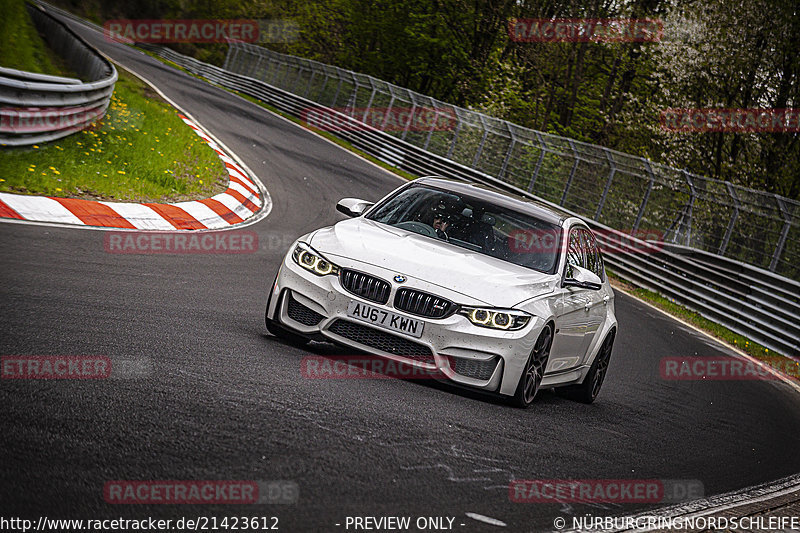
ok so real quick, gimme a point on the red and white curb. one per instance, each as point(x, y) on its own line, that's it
point(241, 201)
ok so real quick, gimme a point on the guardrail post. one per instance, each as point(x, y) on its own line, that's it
point(571, 172)
point(483, 140)
point(607, 188)
point(646, 197)
point(787, 224)
point(538, 163)
point(726, 239)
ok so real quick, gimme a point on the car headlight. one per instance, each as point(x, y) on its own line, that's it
point(496, 318)
point(311, 260)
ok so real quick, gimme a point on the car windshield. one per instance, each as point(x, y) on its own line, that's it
point(473, 224)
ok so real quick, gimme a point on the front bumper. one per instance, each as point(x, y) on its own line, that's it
point(467, 354)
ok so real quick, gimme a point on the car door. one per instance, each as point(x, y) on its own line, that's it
point(572, 312)
point(598, 300)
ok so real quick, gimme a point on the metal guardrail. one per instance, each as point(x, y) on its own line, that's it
point(614, 188)
point(38, 108)
point(762, 309)
point(758, 304)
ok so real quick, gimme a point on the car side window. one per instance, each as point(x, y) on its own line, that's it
point(575, 250)
point(594, 260)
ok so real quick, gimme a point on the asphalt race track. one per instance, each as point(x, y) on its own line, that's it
point(224, 400)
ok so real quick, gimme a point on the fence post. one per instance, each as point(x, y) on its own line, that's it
point(787, 223)
point(510, 149)
point(324, 85)
point(726, 239)
point(388, 108)
point(410, 115)
point(338, 88)
point(483, 140)
point(452, 147)
point(571, 172)
point(538, 163)
point(371, 98)
point(227, 56)
point(310, 82)
point(613, 171)
point(433, 126)
point(687, 212)
point(646, 197)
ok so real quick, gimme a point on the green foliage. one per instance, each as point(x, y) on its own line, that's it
point(21, 46)
point(713, 53)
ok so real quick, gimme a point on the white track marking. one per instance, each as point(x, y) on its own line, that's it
point(40, 208)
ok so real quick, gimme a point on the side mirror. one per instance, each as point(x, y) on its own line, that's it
point(353, 207)
point(583, 278)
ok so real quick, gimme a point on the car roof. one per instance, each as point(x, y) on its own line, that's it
point(517, 203)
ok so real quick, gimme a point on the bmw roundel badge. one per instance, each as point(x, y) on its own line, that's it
point(400, 278)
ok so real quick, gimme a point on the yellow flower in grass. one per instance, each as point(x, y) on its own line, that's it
point(56, 172)
point(120, 172)
point(58, 189)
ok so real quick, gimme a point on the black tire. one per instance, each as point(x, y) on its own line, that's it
point(588, 391)
point(531, 378)
point(278, 330)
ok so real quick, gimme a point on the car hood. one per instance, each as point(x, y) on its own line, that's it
point(476, 276)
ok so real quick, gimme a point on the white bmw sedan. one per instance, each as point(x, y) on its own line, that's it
point(492, 292)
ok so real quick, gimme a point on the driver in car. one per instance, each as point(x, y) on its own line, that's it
point(443, 215)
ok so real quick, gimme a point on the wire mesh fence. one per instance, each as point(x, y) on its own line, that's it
point(620, 190)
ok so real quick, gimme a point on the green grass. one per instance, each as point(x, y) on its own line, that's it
point(21, 46)
point(140, 151)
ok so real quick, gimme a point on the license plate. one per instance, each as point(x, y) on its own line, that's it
point(386, 319)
